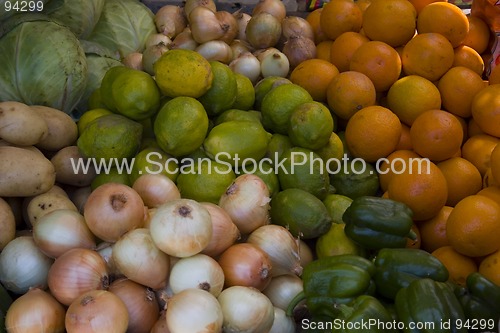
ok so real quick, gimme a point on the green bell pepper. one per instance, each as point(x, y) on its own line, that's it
point(430, 306)
point(376, 223)
point(334, 280)
point(397, 268)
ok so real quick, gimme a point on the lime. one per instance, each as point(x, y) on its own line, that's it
point(95, 101)
point(236, 114)
point(204, 180)
point(237, 142)
point(278, 105)
point(90, 115)
point(153, 160)
point(354, 178)
point(335, 242)
point(245, 93)
point(149, 143)
point(181, 126)
point(147, 128)
point(278, 144)
point(222, 94)
point(341, 136)
point(311, 125)
point(266, 85)
point(181, 72)
point(112, 176)
point(336, 205)
point(334, 149)
point(301, 212)
point(265, 171)
point(111, 136)
point(106, 90)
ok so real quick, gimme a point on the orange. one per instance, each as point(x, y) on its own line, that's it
point(372, 133)
point(363, 4)
point(458, 86)
point(478, 36)
point(494, 77)
point(492, 192)
point(495, 163)
point(313, 18)
point(420, 4)
point(473, 128)
point(422, 187)
point(477, 150)
point(323, 50)
point(429, 55)
point(433, 231)
point(436, 134)
point(468, 57)
point(314, 75)
point(446, 19)
point(486, 109)
point(473, 226)
point(405, 138)
point(390, 21)
point(488, 179)
point(490, 267)
point(394, 163)
point(462, 177)
point(350, 92)
point(458, 265)
point(339, 16)
point(417, 243)
point(464, 124)
point(411, 96)
point(343, 48)
point(379, 61)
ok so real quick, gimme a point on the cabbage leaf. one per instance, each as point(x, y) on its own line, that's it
point(79, 16)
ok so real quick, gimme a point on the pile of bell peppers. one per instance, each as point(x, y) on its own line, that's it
point(395, 288)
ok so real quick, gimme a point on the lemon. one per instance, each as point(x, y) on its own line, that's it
point(335, 242)
point(181, 126)
point(354, 178)
point(278, 144)
point(336, 204)
point(311, 125)
point(180, 72)
point(236, 114)
point(113, 176)
point(90, 115)
point(153, 160)
point(222, 94)
point(106, 90)
point(334, 149)
point(245, 93)
point(266, 85)
point(278, 105)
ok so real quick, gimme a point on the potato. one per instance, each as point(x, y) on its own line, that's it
point(45, 203)
point(7, 224)
point(21, 125)
point(62, 132)
point(65, 161)
point(56, 189)
point(24, 172)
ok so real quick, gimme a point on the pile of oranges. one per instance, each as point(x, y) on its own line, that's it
point(404, 79)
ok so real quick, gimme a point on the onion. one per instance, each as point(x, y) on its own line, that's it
point(246, 309)
point(143, 309)
point(216, 50)
point(155, 189)
point(246, 201)
point(23, 265)
point(246, 265)
point(239, 47)
point(150, 55)
point(170, 20)
point(305, 253)
point(198, 271)
point(35, 311)
point(62, 230)
point(299, 49)
point(133, 60)
point(275, 64)
point(242, 21)
point(248, 65)
point(97, 311)
point(194, 311)
point(274, 7)
point(155, 39)
point(281, 247)
point(282, 289)
point(263, 31)
point(161, 324)
point(181, 228)
point(112, 209)
point(105, 250)
point(229, 25)
point(184, 40)
point(224, 232)
point(205, 26)
point(296, 26)
point(75, 272)
point(189, 5)
point(282, 323)
point(137, 257)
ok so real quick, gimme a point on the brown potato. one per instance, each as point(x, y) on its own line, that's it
point(65, 161)
point(45, 203)
point(7, 224)
point(62, 132)
point(21, 125)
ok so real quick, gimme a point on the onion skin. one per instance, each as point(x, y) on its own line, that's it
point(282, 289)
point(161, 324)
point(263, 31)
point(216, 50)
point(229, 25)
point(151, 54)
point(156, 189)
point(224, 232)
point(242, 20)
point(274, 7)
point(184, 40)
point(296, 26)
point(170, 20)
point(204, 25)
point(299, 49)
point(247, 64)
point(189, 5)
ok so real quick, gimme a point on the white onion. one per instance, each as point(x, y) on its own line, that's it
point(305, 253)
point(184, 40)
point(282, 323)
point(204, 25)
point(248, 65)
point(239, 47)
point(156, 189)
point(242, 20)
point(170, 20)
point(161, 324)
point(215, 50)
point(151, 54)
point(229, 25)
point(105, 250)
point(155, 39)
point(224, 232)
point(282, 289)
point(23, 265)
point(275, 64)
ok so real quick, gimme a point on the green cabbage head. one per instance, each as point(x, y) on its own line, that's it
point(42, 63)
point(79, 16)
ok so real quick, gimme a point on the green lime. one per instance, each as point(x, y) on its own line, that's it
point(154, 161)
point(149, 143)
point(265, 85)
point(112, 176)
point(354, 178)
point(278, 144)
point(236, 114)
point(180, 72)
point(90, 115)
point(106, 90)
point(341, 136)
point(181, 126)
point(222, 94)
point(336, 205)
point(111, 136)
point(245, 93)
point(278, 105)
point(147, 128)
point(334, 149)
point(301, 212)
point(95, 101)
point(335, 242)
point(311, 125)
point(265, 171)
point(204, 180)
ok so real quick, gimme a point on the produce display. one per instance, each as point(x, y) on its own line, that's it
point(199, 170)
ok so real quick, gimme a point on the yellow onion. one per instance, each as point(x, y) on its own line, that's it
point(274, 64)
point(97, 311)
point(151, 54)
point(224, 232)
point(105, 250)
point(299, 49)
point(170, 20)
point(184, 40)
point(35, 311)
point(274, 7)
point(246, 265)
point(205, 25)
point(305, 253)
point(141, 303)
point(229, 25)
point(161, 324)
point(75, 272)
point(133, 60)
point(156, 189)
point(215, 50)
point(242, 20)
point(296, 26)
point(113, 209)
point(239, 47)
point(282, 323)
point(248, 65)
point(282, 290)
point(155, 39)
point(189, 5)
point(263, 30)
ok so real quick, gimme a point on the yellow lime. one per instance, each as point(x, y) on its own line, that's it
point(354, 178)
point(311, 125)
point(90, 115)
point(106, 90)
point(236, 114)
point(112, 176)
point(335, 242)
point(153, 160)
point(336, 204)
point(266, 85)
point(180, 72)
point(245, 93)
point(222, 94)
point(334, 149)
point(278, 144)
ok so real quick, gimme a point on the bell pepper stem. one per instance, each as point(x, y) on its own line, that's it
point(294, 302)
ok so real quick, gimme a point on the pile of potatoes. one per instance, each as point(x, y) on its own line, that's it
point(36, 147)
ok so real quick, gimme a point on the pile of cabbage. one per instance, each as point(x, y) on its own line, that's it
point(57, 57)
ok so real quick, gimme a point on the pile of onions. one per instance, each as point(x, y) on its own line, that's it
point(216, 50)
point(263, 30)
point(184, 40)
point(76, 272)
point(282, 290)
point(205, 25)
point(155, 39)
point(105, 250)
point(113, 209)
point(229, 25)
point(170, 20)
point(35, 311)
point(248, 65)
point(140, 301)
point(274, 63)
point(155, 189)
point(299, 49)
point(274, 7)
point(194, 310)
point(100, 309)
point(224, 232)
point(296, 26)
point(242, 21)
